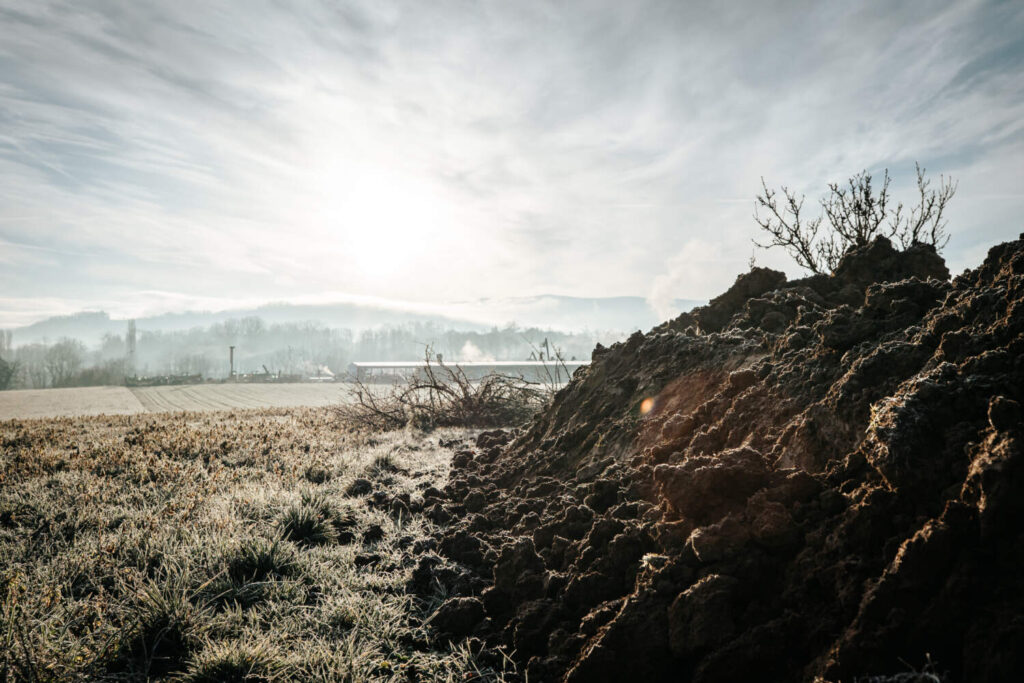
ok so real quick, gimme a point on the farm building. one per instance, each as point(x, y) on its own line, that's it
point(530, 370)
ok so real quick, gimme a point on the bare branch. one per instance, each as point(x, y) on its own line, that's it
point(440, 395)
point(786, 228)
point(856, 214)
point(925, 224)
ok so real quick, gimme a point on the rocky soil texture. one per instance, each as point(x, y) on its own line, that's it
point(812, 479)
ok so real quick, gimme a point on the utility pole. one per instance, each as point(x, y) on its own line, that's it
point(231, 358)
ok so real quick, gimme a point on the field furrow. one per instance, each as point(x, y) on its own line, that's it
point(199, 397)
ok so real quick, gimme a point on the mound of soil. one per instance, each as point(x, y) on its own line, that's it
point(813, 479)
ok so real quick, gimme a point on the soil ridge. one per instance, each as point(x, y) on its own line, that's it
point(816, 479)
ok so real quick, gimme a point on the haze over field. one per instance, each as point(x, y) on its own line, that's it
point(567, 314)
point(163, 157)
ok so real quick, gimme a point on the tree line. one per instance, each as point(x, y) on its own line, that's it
point(290, 349)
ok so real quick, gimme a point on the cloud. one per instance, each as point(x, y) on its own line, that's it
point(446, 150)
point(692, 269)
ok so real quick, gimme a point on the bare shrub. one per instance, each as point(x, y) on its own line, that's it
point(441, 395)
point(856, 214)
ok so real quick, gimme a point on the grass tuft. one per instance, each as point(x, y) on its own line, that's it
point(247, 661)
point(259, 559)
point(168, 624)
point(307, 525)
point(317, 474)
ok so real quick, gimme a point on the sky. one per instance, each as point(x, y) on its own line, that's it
point(161, 156)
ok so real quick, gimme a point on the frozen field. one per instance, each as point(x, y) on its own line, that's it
point(202, 397)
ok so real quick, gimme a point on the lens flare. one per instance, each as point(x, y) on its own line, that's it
point(646, 405)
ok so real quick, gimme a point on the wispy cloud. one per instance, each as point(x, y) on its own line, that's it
point(451, 150)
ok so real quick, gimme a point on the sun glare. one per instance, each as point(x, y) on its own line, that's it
point(383, 222)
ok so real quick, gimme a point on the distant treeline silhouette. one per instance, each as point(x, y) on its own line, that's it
point(303, 349)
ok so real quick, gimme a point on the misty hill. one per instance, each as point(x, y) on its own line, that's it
point(564, 313)
point(567, 313)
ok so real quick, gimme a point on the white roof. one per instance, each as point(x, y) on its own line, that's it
point(471, 363)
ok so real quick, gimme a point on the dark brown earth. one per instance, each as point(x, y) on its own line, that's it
point(829, 486)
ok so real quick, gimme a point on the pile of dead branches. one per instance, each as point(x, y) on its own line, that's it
point(440, 395)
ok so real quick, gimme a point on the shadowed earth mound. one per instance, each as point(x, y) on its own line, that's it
point(813, 479)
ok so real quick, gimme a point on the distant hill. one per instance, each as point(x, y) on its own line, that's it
point(89, 326)
point(570, 314)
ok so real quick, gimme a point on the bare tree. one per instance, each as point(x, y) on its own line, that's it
point(63, 360)
point(8, 371)
point(856, 215)
point(31, 366)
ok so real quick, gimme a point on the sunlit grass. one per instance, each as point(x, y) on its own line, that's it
point(214, 547)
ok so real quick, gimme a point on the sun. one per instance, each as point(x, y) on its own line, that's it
point(382, 221)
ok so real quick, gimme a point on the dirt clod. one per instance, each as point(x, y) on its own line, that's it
point(457, 617)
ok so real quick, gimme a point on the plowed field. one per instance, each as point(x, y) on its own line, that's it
point(198, 397)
